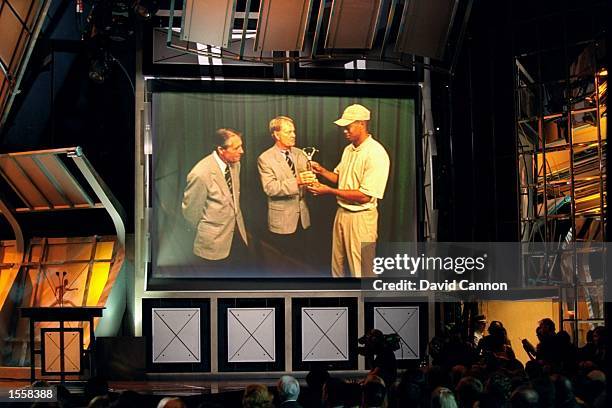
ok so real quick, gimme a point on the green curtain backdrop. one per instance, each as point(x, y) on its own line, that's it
point(183, 126)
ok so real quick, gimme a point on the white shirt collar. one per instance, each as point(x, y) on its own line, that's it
point(221, 163)
point(365, 141)
point(283, 150)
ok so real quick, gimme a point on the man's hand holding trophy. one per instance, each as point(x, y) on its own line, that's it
point(308, 177)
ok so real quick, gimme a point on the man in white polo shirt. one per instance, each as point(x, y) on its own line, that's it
point(361, 177)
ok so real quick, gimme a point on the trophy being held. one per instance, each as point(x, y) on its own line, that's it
point(308, 177)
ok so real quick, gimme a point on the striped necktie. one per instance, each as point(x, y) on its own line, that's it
point(289, 162)
point(228, 179)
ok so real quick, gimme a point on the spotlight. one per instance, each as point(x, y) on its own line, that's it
point(145, 9)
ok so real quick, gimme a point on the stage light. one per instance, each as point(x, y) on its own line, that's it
point(352, 24)
point(282, 25)
point(208, 22)
point(425, 27)
point(145, 9)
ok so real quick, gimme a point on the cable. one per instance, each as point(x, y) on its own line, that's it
point(112, 58)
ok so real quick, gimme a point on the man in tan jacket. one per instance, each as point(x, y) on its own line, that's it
point(283, 170)
point(211, 201)
point(279, 169)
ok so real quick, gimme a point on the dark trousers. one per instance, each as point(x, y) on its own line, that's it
point(293, 248)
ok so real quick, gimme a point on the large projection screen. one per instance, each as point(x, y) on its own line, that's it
point(184, 123)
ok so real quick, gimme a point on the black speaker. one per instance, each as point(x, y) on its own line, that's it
point(120, 358)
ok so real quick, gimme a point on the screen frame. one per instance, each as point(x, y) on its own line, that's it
point(398, 90)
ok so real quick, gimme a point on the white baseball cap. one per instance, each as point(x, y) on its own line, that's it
point(353, 113)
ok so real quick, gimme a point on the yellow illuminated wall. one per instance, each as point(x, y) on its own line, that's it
point(91, 265)
point(520, 318)
point(10, 260)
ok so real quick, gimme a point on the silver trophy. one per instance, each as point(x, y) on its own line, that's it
point(310, 152)
point(308, 175)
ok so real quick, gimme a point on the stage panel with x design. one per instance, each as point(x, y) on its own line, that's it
point(325, 334)
point(52, 350)
point(176, 335)
point(403, 321)
point(251, 335)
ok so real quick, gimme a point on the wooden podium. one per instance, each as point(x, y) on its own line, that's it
point(60, 315)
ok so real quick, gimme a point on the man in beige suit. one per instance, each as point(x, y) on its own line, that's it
point(283, 170)
point(211, 201)
point(279, 168)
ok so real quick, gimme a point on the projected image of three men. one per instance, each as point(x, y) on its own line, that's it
point(280, 186)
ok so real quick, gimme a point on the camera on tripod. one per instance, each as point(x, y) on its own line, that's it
point(374, 341)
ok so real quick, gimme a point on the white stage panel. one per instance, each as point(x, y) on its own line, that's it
point(403, 320)
point(325, 334)
point(176, 335)
point(251, 335)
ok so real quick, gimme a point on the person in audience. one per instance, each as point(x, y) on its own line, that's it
point(101, 401)
point(546, 391)
point(497, 391)
point(534, 370)
point(524, 397)
point(374, 392)
point(411, 388)
point(567, 361)
point(438, 377)
point(468, 392)
point(334, 393)
point(497, 343)
point(288, 392)
point(257, 396)
point(593, 387)
point(478, 327)
point(600, 336)
point(442, 397)
point(564, 392)
point(547, 349)
point(171, 402)
point(315, 380)
point(352, 395)
point(588, 350)
point(128, 399)
point(455, 349)
point(457, 373)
